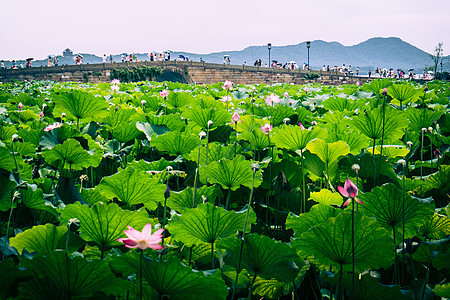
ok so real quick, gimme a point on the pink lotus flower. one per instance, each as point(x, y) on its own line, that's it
point(143, 240)
point(235, 117)
point(227, 85)
point(20, 105)
point(272, 99)
point(52, 126)
point(286, 95)
point(115, 88)
point(115, 81)
point(350, 191)
point(266, 128)
point(384, 92)
point(164, 93)
point(41, 114)
point(226, 99)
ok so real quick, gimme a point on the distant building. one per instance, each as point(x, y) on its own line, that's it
point(67, 53)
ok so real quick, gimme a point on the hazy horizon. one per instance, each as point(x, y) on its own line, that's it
point(38, 29)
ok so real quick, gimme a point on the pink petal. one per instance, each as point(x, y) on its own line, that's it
point(347, 202)
point(359, 201)
point(143, 245)
point(156, 246)
point(133, 234)
point(147, 231)
point(159, 231)
point(351, 188)
point(343, 191)
point(129, 243)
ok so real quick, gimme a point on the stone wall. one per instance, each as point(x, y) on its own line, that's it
point(194, 72)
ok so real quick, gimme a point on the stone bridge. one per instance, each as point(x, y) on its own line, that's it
point(185, 71)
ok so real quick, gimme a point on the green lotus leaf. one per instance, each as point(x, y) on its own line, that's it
point(385, 203)
point(182, 201)
point(178, 99)
point(356, 141)
point(326, 197)
point(248, 123)
point(207, 223)
point(6, 187)
point(10, 275)
point(240, 94)
point(6, 159)
point(68, 155)
point(103, 223)
point(57, 136)
point(279, 113)
point(330, 242)
point(328, 152)
point(370, 123)
point(175, 142)
point(7, 132)
point(149, 129)
point(317, 168)
point(262, 256)
point(421, 118)
point(44, 239)
point(390, 151)
point(172, 121)
point(201, 116)
point(179, 282)
point(81, 104)
point(132, 187)
point(216, 152)
point(71, 276)
point(340, 104)
point(382, 167)
point(335, 122)
point(125, 132)
point(436, 227)
point(442, 290)
point(318, 214)
point(272, 289)
point(32, 136)
point(23, 115)
point(231, 174)
point(377, 86)
point(257, 139)
point(368, 288)
point(35, 199)
point(293, 137)
point(402, 93)
point(440, 180)
point(92, 196)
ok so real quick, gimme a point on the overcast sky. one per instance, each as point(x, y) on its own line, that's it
point(30, 28)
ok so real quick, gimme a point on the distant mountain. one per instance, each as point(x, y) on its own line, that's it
point(376, 52)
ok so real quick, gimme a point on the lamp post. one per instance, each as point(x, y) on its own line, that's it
point(308, 45)
point(269, 46)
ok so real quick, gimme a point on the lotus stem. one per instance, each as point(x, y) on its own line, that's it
point(339, 285)
point(9, 222)
point(194, 201)
point(250, 289)
point(395, 254)
point(374, 165)
point(403, 221)
point(235, 142)
point(140, 273)
point(212, 255)
point(421, 158)
point(353, 246)
point(431, 150)
point(228, 199)
point(382, 132)
point(14, 154)
point(254, 168)
point(303, 202)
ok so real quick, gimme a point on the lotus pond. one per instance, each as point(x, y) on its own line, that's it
point(173, 191)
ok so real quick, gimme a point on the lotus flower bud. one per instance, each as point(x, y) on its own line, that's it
point(425, 88)
point(14, 137)
point(424, 130)
point(41, 114)
point(255, 166)
point(286, 120)
point(401, 162)
point(430, 129)
point(167, 192)
point(73, 224)
point(313, 123)
point(356, 168)
point(409, 143)
point(202, 134)
point(210, 122)
point(384, 92)
point(143, 102)
point(63, 115)
point(20, 105)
